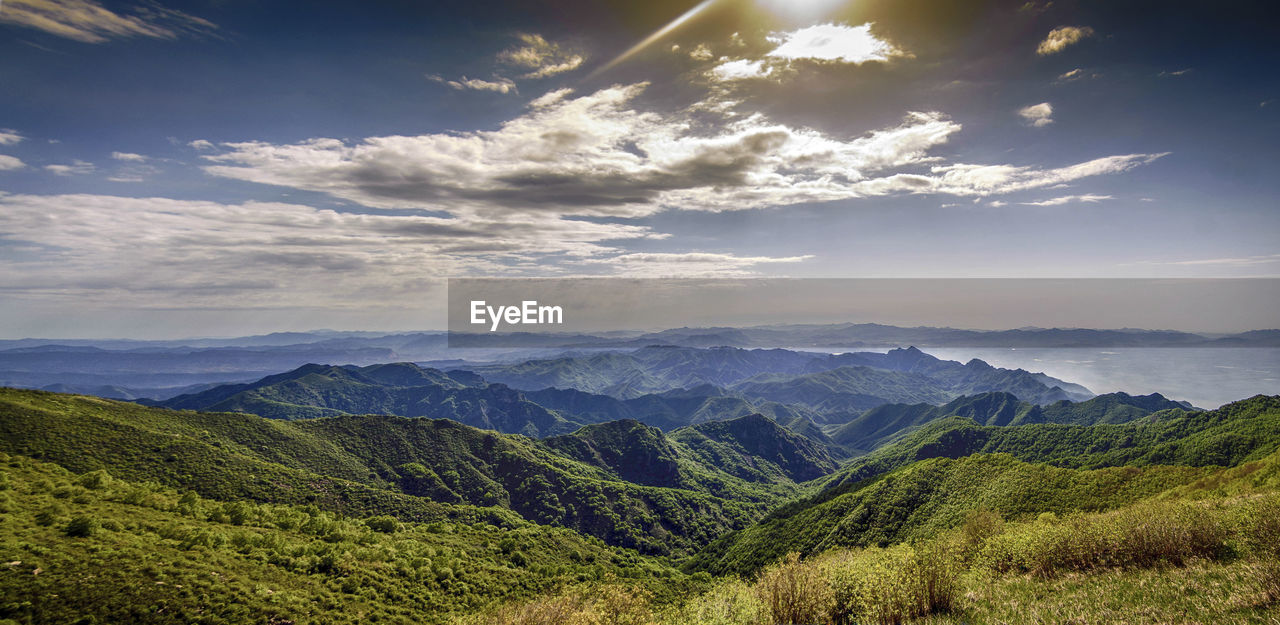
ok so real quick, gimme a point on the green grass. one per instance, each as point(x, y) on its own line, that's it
point(116, 551)
point(361, 465)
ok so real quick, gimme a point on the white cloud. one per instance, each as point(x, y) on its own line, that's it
point(687, 264)
point(500, 85)
point(10, 163)
point(76, 168)
point(590, 156)
point(89, 22)
point(597, 156)
point(985, 180)
point(9, 137)
point(1068, 199)
point(1239, 262)
point(129, 157)
point(543, 58)
point(834, 43)
point(741, 69)
point(1077, 74)
point(1038, 115)
point(701, 53)
point(201, 144)
point(269, 254)
point(1061, 37)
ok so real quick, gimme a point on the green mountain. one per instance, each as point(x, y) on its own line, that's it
point(883, 423)
point(400, 388)
point(1235, 433)
point(922, 483)
point(757, 449)
point(417, 469)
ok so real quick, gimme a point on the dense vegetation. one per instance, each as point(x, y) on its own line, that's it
point(924, 482)
point(107, 550)
point(670, 502)
point(1192, 554)
point(883, 423)
point(423, 469)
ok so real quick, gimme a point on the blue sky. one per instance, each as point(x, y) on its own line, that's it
point(226, 167)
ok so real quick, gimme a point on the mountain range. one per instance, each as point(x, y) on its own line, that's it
point(130, 369)
point(662, 476)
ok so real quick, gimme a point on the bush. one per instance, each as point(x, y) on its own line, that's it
point(95, 480)
point(384, 524)
point(49, 515)
point(601, 605)
point(889, 586)
point(796, 593)
point(1139, 536)
point(80, 526)
point(732, 602)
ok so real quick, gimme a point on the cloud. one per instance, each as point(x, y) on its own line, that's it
point(1077, 74)
point(89, 22)
point(833, 43)
point(687, 264)
point(742, 69)
point(985, 180)
point(1239, 262)
point(1174, 73)
point(10, 163)
point(597, 156)
point(267, 253)
point(1038, 115)
point(129, 157)
point(1067, 199)
point(201, 144)
point(76, 168)
point(701, 53)
point(589, 156)
point(500, 85)
point(543, 58)
point(1061, 37)
point(9, 137)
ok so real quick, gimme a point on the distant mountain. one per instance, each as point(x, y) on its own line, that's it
point(883, 423)
point(778, 375)
point(399, 389)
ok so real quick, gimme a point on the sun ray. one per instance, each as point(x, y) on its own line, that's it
point(658, 34)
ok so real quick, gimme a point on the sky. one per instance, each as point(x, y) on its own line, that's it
point(220, 167)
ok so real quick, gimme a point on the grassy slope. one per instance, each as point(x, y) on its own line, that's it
point(155, 556)
point(925, 482)
point(358, 465)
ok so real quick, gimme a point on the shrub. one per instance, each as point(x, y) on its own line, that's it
point(889, 586)
point(384, 524)
point(601, 605)
point(979, 525)
point(733, 602)
point(80, 526)
point(1139, 536)
point(49, 515)
point(95, 480)
point(796, 593)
